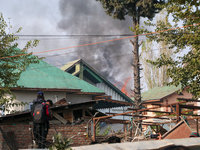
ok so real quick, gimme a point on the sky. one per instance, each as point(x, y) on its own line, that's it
point(59, 24)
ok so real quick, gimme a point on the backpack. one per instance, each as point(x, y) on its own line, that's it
point(35, 103)
point(40, 113)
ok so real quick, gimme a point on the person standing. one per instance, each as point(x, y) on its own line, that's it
point(47, 127)
point(39, 100)
point(41, 117)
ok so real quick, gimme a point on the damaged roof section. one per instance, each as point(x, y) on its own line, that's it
point(64, 113)
point(100, 103)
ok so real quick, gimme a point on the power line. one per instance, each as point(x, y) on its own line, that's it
point(75, 35)
point(99, 59)
point(102, 41)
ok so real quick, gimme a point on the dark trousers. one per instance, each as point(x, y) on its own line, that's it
point(40, 134)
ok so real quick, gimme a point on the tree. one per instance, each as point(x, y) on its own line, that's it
point(184, 70)
point(134, 9)
point(155, 77)
point(10, 66)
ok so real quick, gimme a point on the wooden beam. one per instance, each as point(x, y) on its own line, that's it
point(188, 100)
point(60, 118)
point(81, 107)
point(161, 115)
point(113, 121)
point(140, 110)
point(197, 123)
point(190, 107)
point(152, 101)
point(172, 108)
point(89, 112)
point(125, 133)
point(46, 89)
point(158, 111)
point(116, 113)
point(178, 112)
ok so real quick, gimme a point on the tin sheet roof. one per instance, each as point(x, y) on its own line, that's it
point(159, 92)
point(141, 145)
point(97, 75)
point(44, 75)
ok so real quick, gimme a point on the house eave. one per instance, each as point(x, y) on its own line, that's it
point(47, 89)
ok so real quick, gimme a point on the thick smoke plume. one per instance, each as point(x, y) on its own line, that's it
point(87, 17)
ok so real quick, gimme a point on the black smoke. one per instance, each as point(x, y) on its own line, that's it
point(87, 17)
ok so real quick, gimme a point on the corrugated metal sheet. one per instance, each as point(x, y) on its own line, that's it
point(44, 75)
point(144, 145)
point(112, 90)
point(159, 92)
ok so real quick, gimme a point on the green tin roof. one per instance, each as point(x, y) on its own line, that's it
point(95, 75)
point(44, 75)
point(159, 92)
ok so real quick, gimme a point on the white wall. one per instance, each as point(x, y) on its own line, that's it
point(29, 96)
point(77, 98)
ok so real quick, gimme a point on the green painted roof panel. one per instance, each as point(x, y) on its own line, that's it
point(159, 92)
point(44, 75)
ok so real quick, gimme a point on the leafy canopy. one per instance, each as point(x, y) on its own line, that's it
point(11, 67)
point(133, 8)
point(185, 69)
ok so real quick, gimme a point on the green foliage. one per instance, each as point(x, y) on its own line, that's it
point(133, 8)
point(157, 114)
point(153, 76)
point(61, 143)
point(183, 70)
point(107, 130)
point(10, 66)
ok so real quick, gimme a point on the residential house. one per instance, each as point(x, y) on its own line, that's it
point(164, 95)
point(55, 83)
point(84, 71)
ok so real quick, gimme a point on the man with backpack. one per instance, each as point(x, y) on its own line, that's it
point(40, 113)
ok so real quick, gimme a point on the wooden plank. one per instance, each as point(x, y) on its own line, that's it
point(158, 111)
point(89, 112)
point(113, 120)
point(190, 107)
point(81, 107)
point(178, 113)
point(161, 115)
point(188, 100)
point(125, 133)
point(57, 116)
point(197, 122)
point(140, 110)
